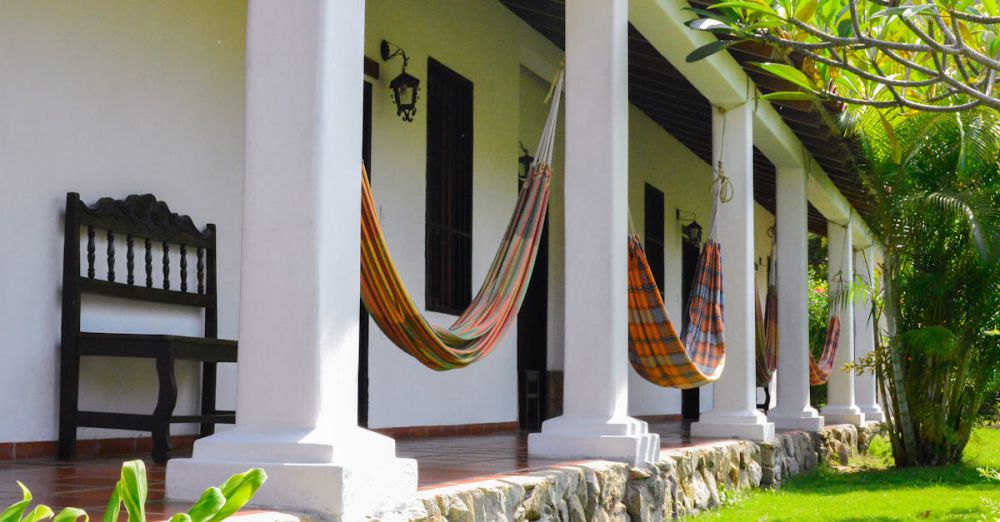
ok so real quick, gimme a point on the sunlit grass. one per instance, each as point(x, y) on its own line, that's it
point(874, 490)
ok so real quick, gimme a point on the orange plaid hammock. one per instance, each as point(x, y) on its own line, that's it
point(655, 350)
point(483, 324)
point(819, 372)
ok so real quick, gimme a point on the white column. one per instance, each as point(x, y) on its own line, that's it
point(298, 351)
point(793, 410)
point(595, 422)
point(734, 412)
point(840, 407)
point(864, 337)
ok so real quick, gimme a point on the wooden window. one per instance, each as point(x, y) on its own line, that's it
point(448, 259)
point(654, 240)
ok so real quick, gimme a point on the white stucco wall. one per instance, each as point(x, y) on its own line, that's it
point(477, 39)
point(109, 99)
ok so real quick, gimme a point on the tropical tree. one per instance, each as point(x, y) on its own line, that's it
point(936, 185)
point(936, 56)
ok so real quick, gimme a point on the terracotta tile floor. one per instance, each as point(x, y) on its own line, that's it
point(86, 483)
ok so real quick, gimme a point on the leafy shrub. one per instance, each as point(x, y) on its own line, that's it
point(215, 504)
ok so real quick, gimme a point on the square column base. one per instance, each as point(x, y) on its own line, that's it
point(313, 472)
point(734, 425)
point(873, 413)
point(807, 419)
point(837, 414)
point(617, 438)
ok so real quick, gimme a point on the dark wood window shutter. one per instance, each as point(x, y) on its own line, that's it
point(654, 228)
point(448, 240)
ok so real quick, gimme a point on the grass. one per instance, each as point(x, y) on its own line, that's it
point(871, 489)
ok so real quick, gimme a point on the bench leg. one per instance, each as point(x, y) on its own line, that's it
point(164, 408)
point(208, 387)
point(69, 394)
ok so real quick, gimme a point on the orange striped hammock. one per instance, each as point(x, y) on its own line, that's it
point(767, 343)
point(483, 324)
point(655, 350)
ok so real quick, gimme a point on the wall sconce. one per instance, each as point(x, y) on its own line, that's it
point(405, 88)
point(691, 231)
point(525, 162)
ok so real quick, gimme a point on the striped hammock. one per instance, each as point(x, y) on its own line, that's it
point(767, 325)
point(766, 335)
point(655, 350)
point(483, 324)
point(819, 372)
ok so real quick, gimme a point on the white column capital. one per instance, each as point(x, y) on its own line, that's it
point(735, 413)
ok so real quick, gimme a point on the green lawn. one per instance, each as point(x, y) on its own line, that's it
point(946, 493)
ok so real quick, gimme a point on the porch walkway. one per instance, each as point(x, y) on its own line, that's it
point(442, 461)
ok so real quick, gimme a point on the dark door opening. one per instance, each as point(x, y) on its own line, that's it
point(366, 156)
point(690, 399)
point(532, 342)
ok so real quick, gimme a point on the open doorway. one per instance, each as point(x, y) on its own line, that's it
point(366, 157)
point(690, 250)
point(532, 343)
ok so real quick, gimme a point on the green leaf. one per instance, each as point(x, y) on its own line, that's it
point(41, 512)
point(114, 504)
point(707, 50)
point(132, 489)
point(749, 6)
point(14, 512)
point(210, 502)
point(709, 24)
point(238, 490)
point(180, 517)
point(806, 11)
point(71, 514)
point(789, 96)
point(787, 72)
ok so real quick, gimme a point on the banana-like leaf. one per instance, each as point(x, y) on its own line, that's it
point(16, 510)
point(211, 501)
point(238, 490)
point(41, 512)
point(114, 504)
point(71, 514)
point(132, 490)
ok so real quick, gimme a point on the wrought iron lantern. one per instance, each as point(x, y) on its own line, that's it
point(525, 162)
point(692, 231)
point(405, 87)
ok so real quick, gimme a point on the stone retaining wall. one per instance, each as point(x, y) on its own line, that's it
point(684, 482)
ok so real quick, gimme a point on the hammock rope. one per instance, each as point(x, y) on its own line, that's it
point(655, 350)
point(479, 329)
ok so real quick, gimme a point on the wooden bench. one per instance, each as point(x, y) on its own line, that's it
point(149, 230)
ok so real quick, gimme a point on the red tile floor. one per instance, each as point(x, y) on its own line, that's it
point(86, 483)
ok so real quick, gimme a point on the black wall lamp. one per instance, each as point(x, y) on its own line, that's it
point(691, 231)
point(525, 162)
point(405, 88)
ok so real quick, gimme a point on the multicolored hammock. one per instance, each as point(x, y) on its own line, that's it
point(767, 326)
point(819, 372)
point(478, 330)
point(654, 348)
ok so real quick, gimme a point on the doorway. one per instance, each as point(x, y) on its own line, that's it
point(690, 251)
point(366, 157)
point(532, 342)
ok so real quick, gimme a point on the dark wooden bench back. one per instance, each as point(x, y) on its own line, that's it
point(151, 233)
